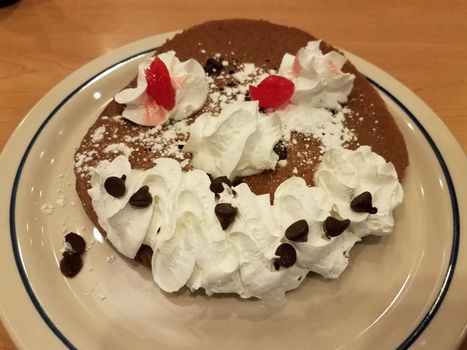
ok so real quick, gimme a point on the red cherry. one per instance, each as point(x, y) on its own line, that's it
point(159, 84)
point(272, 92)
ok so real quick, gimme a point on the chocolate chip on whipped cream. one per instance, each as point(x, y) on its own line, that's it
point(334, 227)
point(298, 231)
point(287, 256)
point(226, 214)
point(141, 198)
point(115, 186)
point(363, 203)
point(217, 184)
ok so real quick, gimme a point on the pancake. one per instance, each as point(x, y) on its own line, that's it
point(236, 42)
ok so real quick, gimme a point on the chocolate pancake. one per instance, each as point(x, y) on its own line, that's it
point(236, 42)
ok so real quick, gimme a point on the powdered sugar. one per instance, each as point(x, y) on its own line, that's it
point(98, 134)
point(321, 124)
point(47, 208)
point(119, 148)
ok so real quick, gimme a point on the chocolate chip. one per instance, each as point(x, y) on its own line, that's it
point(226, 213)
point(180, 146)
point(77, 243)
point(363, 203)
point(287, 256)
point(71, 264)
point(141, 198)
point(232, 84)
point(280, 150)
point(123, 178)
point(231, 72)
point(298, 231)
point(213, 66)
point(247, 98)
point(334, 227)
point(115, 186)
point(216, 184)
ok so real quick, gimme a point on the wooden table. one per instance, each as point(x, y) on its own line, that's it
point(421, 43)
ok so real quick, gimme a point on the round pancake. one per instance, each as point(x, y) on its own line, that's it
point(238, 41)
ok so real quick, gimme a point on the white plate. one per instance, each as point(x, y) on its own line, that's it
point(402, 290)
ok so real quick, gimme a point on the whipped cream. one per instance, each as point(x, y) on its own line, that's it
point(294, 201)
point(190, 247)
point(344, 174)
point(191, 90)
point(114, 214)
point(319, 80)
point(239, 142)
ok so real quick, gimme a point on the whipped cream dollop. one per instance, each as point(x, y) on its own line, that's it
point(294, 201)
point(344, 174)
point(239, 142)
point(319, 80)
point(191, 90)
point(191, 248)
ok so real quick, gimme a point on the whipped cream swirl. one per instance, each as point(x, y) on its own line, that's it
point(319, 80)
point(344, 174)
point(190, 247)
point(239, 142)
point(294, 201)
point(191, 90)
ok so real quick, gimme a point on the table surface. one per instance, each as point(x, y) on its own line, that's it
point(421, 43)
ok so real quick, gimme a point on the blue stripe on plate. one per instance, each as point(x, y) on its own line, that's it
point(404, 345)
point(456, 224)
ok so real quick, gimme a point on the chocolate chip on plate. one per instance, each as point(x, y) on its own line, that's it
point(216, 184)
point(141, 198)
point(213, 66)
point(226, 213)
point(363, 203)
point(76, 242)
point(287, 256)
point(298, 231)
point(115, 186)
point(334, 227)
point(280, 150)
point(71, 264)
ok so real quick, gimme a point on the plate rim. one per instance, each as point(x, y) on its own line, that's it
point(450, 273)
